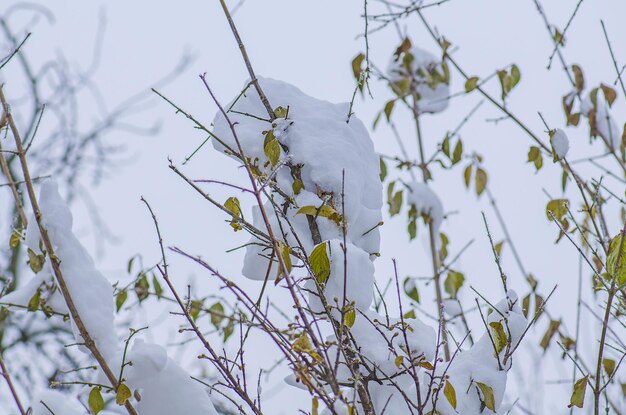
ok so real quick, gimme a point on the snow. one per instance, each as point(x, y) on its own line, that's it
point(332, 155)
point(90, 290)
point(426, 202)
point(433, 97)
point(165, 388)
point(560, 143)
point(605, 124)
point(315, 136)
point(451, 307)
point(44, 281)
point(57, 402)
point(479, 363)
point(358, 277)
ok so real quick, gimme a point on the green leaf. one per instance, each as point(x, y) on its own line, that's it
point(609, 93)
point(558, 37)
point(471, 84)
point(376, 119)
point(194, 308)
point(35, 300)
point(303, 344)
point(444, 245)
point(552, 329)
point(297, 186)
point(411, 289)
point(229, 328)
point(410, 314)
point(481, 181)
point(398, 361)
point(498, 247)
point(95, 400)
point(233, 206)
point(123, 394)
point(608, 365)
point(499, 336)
point(285, 253)
point(320, 263)
point(412, 227)
point(356, 66)
point(578, 394)
point(488, 398)
point(158, 290)
point(349, 316)
point(402, 86)
point(142, 287)
point(395, 203)
point(453, 283)
point(450, 393)
point(120, 299)
point(389, 108)
point(535, 157)
point(458, 152)
point(467, 175)
point(281, 112)
point(445, 146)
point(526, 305)
point(383, 170)
point(515, 75)
point(217, 314)
point(504, 82)
point(130, 264)
point(538, 305)
point(617, 252)
point(558, 207)
point(271, 148)
point(579, 79)
point(35, 261)
point(15, 239)
point(323, 211)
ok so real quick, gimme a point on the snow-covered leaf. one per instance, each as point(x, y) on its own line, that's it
point(410, 288)
point(488, 399)
point(35, 261)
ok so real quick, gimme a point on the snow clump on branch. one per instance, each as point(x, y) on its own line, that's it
point(327, 173)
point(414, 71)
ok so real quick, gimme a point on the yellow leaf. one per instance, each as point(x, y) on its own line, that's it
point(471, 84)
point(123, 394)
point(320, 262)
point(450, 393)
point(488, 398)
point(499, 336)
point(578, 394)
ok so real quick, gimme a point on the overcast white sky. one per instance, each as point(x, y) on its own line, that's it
point(311, 44)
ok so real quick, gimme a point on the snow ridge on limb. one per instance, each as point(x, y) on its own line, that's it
point(164, 387)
